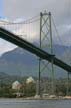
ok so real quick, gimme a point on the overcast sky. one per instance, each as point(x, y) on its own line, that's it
point(18, 9)
point(60, 9)
point(1, 11)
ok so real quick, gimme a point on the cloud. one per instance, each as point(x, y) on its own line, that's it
point(5, 46)
point(29, 31)
point(18, 20)
point(63, 35)
point(60, 9)
point(24, 8)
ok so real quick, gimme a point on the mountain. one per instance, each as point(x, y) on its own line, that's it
point(22, 63)
point(18, 62)
point(6, 79)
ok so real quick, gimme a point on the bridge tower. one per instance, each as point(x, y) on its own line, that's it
point(46, 44)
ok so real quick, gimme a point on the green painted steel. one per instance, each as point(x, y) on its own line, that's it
point(6, 35)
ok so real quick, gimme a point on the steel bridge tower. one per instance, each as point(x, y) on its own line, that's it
point(45, 44)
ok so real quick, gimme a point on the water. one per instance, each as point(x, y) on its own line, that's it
point(20, 103)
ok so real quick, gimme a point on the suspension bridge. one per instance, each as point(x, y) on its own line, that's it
point(32, 48)
point(23, 33)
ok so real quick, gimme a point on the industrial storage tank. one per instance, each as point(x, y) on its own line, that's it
point(16, 85)
point(30, 80)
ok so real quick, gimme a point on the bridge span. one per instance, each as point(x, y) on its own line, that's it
point(6, 35)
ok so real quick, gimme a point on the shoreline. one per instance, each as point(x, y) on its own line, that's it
point(32, 98)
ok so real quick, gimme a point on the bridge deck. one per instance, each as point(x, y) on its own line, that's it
point(6, 35)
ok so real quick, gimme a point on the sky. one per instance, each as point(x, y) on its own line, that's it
point(1, 10)
point(24, 9)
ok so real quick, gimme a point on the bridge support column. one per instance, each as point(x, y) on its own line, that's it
point(51, 45)
point(67, 91)
point(53, 78)
point(45, 44)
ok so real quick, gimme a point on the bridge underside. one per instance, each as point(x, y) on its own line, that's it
point(6, 35)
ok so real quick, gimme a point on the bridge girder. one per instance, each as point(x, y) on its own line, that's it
point(6, 35)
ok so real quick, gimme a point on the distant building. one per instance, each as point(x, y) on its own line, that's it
point(30, 80)
point(16, 85)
